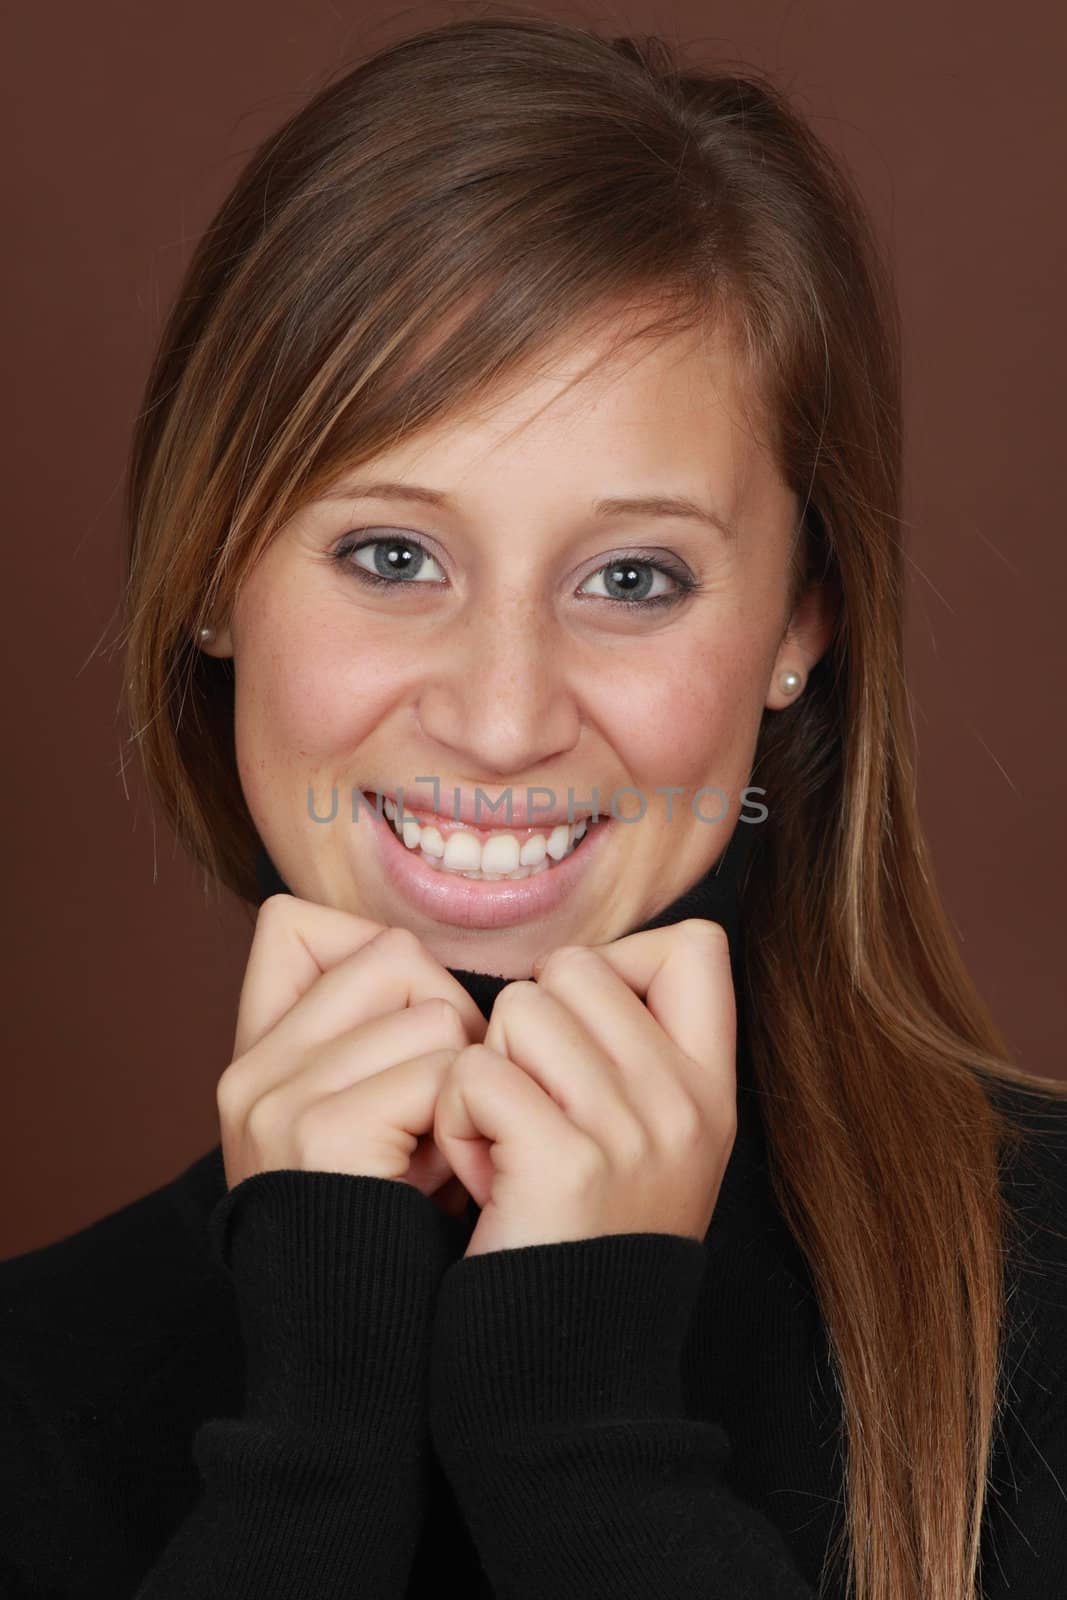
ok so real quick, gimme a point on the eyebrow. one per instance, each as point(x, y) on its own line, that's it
point(656, 505)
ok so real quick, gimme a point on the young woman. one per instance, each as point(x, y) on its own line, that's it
point(621, 1190)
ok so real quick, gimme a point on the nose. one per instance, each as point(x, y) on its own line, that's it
point(496, 692)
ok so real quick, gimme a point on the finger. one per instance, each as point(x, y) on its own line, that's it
point(294, 943)
point(649, 1069)
point(537, 1031)
point(683, 975)
point(362, 1052)
point(390, 971)
point(388, 1113)
point(487, 1098)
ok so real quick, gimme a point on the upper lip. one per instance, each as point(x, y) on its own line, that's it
point(418, 802)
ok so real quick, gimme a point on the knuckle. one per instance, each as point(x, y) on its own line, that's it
point(263, 1119)
point(399, 943)
point(445, 1018)
point(565, 955)
point(444, 1062)
point(588, 1163)
point(230, 1092)
point(514, 995)
point(710, 933)
point(684, 1123)
point(470, 1060)
point(632, 1144)
point(274, 908)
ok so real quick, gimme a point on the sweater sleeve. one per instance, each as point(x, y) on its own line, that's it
point(317, 1488)
point(556, 1408)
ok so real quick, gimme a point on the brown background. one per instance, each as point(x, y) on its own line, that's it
point(130, 123)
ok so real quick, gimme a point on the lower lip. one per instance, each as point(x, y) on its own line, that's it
point(479, 903)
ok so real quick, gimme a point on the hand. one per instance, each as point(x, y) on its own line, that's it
point(585, 1111)
point(345, 1031)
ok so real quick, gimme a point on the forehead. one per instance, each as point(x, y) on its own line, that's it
point(607, 412)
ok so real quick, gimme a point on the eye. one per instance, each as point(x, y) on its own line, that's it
point(632, 581)
point(393, 561)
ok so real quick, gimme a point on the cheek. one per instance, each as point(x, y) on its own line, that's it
point(692, 711)
point(306, 693)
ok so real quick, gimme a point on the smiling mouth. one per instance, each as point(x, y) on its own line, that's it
point(456, 851)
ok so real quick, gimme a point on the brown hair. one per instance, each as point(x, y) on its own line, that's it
point(423, 227)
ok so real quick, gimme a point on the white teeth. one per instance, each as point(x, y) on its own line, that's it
point(463, 853)
point(500, 856)
point(491, 877)
point(559, 841)
point(533, 851)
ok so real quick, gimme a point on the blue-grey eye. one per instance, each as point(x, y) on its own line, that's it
point(396, 559)
point(628, 580)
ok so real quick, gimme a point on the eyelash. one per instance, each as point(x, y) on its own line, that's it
point(686, 584)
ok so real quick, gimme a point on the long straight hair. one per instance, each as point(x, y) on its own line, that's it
point(425, 226)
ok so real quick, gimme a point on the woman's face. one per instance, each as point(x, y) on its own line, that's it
point(499, 652)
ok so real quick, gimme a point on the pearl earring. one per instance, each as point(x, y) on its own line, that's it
point(207, 635)
point(790, 682)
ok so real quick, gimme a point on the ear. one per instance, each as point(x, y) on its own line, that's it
point(805, 641)
point(221, 645)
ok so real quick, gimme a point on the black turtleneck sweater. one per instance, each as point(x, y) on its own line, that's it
point(300, 1389)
